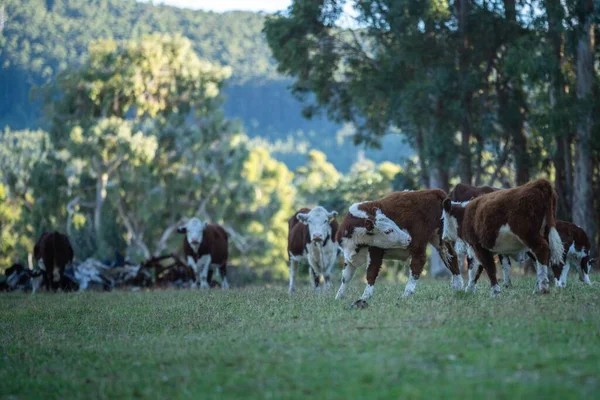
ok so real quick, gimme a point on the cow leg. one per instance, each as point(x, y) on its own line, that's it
point(560, 274)
point(449, 259)
point(195, 267)
point(349, 269)
point(204, 263)
point(347, 274)
point(540, 249)
point(314, 278)
point(222, 270)
point(375, 260)
point(486, 258)
point(505, 261)
point(417, 262)
point(293, 264)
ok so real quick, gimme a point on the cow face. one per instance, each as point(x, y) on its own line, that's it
point(194, 230)
point(318, 221)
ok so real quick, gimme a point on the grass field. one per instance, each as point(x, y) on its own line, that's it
point(260, 343)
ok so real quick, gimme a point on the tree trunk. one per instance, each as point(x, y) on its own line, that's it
point(558, 130)
point(583, 178)
point(423, 173)
point(466, 173)
point(101, 184)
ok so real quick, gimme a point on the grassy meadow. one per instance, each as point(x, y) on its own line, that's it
point(259, 343)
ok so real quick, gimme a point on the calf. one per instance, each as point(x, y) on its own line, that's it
point(463, 193)
point(311, 239)
point(53, 252)
point(577, 251)
point(397, 227)
point(509, 221)
point(205, 246)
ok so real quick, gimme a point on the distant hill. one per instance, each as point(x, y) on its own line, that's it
point(39, 38)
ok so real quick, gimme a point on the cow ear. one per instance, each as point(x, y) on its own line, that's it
point(447, 204)
point(370, 225)
point(302, 218)
point(181, 229)
point(332, 215)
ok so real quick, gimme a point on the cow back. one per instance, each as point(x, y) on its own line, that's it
point(463, 192)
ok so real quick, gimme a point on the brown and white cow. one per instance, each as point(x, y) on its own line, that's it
point(311, 239)
point(53, 252)
point(577, 252)
point(205, 246)
point(463, 193)
point(396, 227)
point(508, 222)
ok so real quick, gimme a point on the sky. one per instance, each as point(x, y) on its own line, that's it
point(227, 5)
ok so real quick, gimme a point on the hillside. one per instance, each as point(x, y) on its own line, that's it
point(39, 38)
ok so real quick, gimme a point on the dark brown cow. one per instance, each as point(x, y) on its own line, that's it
point(205, 246)
point(463, 193)
point(577, 251)
point(509, 221)
point(53, 252)
point(397, 227)
point(311, 239)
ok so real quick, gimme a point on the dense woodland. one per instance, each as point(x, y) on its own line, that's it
point(120, 119)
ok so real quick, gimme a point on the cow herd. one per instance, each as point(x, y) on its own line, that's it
point(476, 222)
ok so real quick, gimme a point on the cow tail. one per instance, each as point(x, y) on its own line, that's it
point(554, 241)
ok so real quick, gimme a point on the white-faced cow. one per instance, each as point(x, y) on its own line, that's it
point(509, 222)
point(311, 239)
point(205, 246)
point(463, 193)
point(53, 252)
point(577, 252)
point(396, 227)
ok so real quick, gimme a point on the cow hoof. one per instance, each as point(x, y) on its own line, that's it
point(507, 284)
point(359, 304)
point(471, 289)
point(495, 291)
point(204, 285)
point(457, 282)
point(407, 294)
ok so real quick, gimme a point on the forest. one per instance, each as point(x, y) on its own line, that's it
point(121, 119)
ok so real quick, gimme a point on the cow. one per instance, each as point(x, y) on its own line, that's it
point(205, 247)
point(311, 239)
point(396, 227)
point(507, 222)
point(52, 252)
point(577, 252)
point(463, 193)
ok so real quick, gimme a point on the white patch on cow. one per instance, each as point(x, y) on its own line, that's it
point(450, 231)
point(495, 290)
point(463, 204)
point(471, 287)
point(224, 283)
point(506, 271)
point(356, 212)
point(507, 242)
point(472, 273)
point(369, 289)
point(457, 282)
point(575, 255)
point(411, 286)
point(460, 247)
point(556, 247)
point(586, 279)
point(192, 264)
point(56, 275)
point(41, 265)
point(293, 265)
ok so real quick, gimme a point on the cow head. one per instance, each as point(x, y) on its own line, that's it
point(452, 215)
point(318, 221)
point(585, 269)
point(194, 230)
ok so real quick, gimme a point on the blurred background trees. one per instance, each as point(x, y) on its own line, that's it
point(120, 118)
